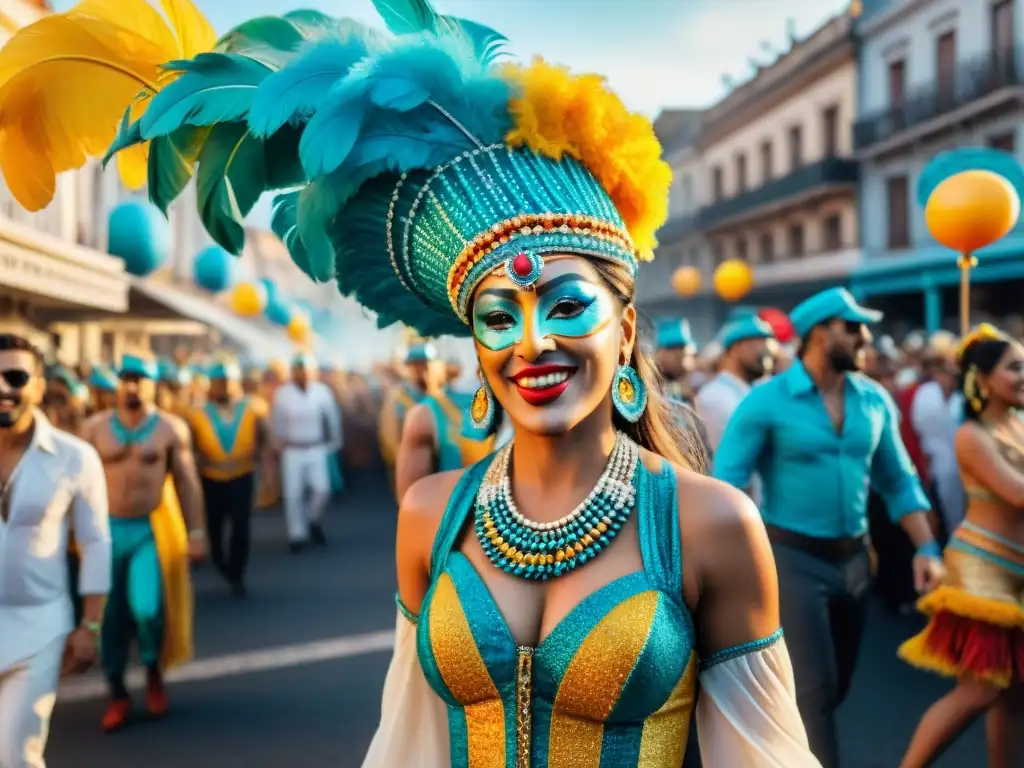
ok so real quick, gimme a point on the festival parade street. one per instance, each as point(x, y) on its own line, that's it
point(385, 385)
point(292, 676)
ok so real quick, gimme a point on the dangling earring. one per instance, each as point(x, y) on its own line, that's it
point(629, 393)
point(482, 422)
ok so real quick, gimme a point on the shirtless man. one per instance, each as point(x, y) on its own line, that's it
point(141, 447)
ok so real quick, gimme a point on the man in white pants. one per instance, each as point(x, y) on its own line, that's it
point(306, 423)
point(51, 484)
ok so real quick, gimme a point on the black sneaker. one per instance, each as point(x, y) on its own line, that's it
point(316, 535)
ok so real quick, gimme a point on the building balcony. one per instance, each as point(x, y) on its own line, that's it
point(826, 265)
point(986, 83)
point(796, 187)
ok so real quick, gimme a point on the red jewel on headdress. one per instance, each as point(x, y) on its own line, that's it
point(521, 265)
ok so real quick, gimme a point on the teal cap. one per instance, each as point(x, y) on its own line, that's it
point(102, 379)
point(743, 328)
point(303, 360)
point(833, 303)
point(421, 352)
point(224, 370)
point(674, 333)
point(172, 374)
point(136, 366)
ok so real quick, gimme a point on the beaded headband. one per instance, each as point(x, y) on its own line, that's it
point(496, 207)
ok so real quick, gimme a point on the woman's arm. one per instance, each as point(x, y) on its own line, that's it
point(413, 729)
point(747, 714)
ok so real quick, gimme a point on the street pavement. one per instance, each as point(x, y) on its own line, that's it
point(291, 677)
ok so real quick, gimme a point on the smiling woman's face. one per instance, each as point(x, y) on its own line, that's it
point(550, 354)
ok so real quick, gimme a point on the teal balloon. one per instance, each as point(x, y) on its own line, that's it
point(140, 236)
point(214, 269)
point(278, 311)
point(272, 294)
point(955, 161)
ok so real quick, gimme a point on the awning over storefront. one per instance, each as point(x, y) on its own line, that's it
point(933, 267)
point(259, 343)
point(60, 272)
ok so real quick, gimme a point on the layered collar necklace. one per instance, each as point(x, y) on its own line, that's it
point(543, 551)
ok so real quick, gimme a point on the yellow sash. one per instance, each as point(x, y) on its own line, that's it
point(215, 462)
point(471, 451)
point(171, 538)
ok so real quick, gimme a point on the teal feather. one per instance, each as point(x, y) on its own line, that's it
point(230, 178)
point(214, 88)
point(284, 224)
point(129, 133)
point(274, 40)
point(319, 203)
point(407, 17)
point(171, 162)
point(416, 86)
point(295, 92)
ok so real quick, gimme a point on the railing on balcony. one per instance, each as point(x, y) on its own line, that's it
point(676, 228)
point(827, 171)
point(973, 80)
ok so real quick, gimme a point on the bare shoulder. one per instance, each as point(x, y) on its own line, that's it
point(424, 503)
point(177, 426)
point(419, 422)
point(93, 423)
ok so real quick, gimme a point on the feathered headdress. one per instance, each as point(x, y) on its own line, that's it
point(419, 164)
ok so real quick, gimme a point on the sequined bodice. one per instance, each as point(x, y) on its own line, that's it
point(613, 684)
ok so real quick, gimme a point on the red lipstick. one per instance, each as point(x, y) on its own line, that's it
point(541, 385)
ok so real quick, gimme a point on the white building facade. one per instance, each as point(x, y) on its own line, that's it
point(935, 75)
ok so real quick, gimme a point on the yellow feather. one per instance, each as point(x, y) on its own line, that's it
point(66, 80)
point(195, 34)
point(136, 15)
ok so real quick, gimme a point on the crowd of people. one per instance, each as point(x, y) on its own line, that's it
point(607, 536)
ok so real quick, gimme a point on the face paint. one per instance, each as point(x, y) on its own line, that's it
point(569, 306)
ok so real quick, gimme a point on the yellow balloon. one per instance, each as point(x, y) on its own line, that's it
point(249, 299)
point(298, 328)
point(972, 209)
point(733, 279)
point(686, 281)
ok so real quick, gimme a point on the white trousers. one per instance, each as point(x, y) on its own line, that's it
point(28, 691)
point(304, 471)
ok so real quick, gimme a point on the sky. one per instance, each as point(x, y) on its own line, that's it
point(655, 53)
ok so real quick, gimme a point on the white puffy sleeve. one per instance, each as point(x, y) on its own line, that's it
point(413, 730)
point(746, 713)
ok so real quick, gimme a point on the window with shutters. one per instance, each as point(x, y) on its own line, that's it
point(897, 82)
point(898, 200)
point(832, 232)
point(767, 173)
point(796, 241)
point(945, 67)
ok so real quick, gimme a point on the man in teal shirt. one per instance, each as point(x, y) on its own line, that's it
point(820, 435)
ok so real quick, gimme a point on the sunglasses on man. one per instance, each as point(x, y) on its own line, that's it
point(16, 378)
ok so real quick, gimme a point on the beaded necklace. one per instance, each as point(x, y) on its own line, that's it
point(543, 551)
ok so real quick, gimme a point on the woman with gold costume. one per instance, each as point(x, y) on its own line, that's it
point(558, 601)
point(976, 616)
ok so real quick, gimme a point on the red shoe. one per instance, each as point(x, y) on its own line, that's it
point(116, 715)
point(157, 703)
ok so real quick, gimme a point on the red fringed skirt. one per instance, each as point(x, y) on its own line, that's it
point(976, 625)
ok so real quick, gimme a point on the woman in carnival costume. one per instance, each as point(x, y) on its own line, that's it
point(976, 617)
point(513, 204)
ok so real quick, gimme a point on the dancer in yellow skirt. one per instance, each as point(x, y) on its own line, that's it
point(976, 628)
point(147, 455)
